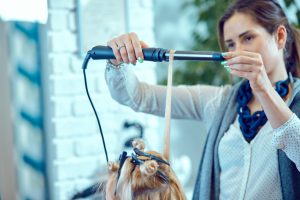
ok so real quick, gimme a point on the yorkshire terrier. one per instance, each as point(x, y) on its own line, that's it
point(145, 175)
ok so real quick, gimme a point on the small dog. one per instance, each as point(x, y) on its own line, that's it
point(142, 176)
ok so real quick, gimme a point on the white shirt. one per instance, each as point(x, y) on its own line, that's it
point(248, 171)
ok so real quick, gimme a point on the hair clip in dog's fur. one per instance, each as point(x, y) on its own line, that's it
point(142, 154)
point(122, 159)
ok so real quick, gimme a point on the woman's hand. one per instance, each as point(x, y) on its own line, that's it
point(127, 48)
point(248, 65)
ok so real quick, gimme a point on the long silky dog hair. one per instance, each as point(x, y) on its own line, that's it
point(144, 175)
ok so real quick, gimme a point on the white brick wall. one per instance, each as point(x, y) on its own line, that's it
point(75, 153)
point(58, 4)
point(58, 19)
point(62, 41)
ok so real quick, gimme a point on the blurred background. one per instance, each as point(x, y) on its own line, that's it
point(50, 147)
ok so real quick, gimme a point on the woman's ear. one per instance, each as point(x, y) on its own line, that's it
point(281, 36)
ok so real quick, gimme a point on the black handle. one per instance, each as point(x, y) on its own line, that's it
point(150, 54)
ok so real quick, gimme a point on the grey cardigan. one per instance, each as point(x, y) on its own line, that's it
point(208, 179)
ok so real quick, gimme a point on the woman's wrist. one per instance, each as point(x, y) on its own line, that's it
point(114, 66)
point(274, 107)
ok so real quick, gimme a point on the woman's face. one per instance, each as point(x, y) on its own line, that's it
point(243, 33)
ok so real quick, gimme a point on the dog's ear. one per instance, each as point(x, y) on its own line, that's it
point(149, 167)
point(110, 184)
point(139, 144)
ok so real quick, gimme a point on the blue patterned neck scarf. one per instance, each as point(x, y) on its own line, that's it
point(250, 124)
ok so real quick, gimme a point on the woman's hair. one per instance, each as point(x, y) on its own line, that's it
point(270, 15)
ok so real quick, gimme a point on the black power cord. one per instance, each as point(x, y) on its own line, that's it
point(93, 188)
point(84, 66)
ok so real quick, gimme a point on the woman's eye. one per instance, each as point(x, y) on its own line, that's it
point(249, 38)
point(230, 46)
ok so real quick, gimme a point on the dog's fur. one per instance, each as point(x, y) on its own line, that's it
point(142, 182)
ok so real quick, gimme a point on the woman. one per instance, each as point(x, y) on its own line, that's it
point(253, 146)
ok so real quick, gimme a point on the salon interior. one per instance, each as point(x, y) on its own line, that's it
point(50, 144)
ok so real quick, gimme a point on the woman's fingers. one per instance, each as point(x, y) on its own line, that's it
point(113, 45)
point(244, 64)
point(137, 45)
point(242, 67)
point(122, 49)
point(127, 48)
point(252, 77)
point(243, 61)
point(232, 54)
point(241, 74)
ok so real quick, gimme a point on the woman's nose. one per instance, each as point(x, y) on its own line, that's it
point(238, 47)
point(241, 47)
